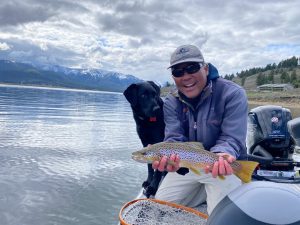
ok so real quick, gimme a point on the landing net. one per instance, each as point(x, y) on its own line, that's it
point(156, 212)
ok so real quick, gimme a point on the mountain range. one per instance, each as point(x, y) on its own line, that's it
point(57, 76)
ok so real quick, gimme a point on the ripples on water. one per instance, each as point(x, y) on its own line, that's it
point(65, 156)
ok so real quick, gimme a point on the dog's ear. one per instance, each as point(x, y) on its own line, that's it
point(131, 94)
point(156, 87)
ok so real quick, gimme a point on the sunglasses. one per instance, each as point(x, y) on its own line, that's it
point(190, 69)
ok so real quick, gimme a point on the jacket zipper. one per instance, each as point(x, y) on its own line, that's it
point(195, 119)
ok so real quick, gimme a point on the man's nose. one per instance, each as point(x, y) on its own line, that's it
point(186, 75)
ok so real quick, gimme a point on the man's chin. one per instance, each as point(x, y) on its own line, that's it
point(190, 93)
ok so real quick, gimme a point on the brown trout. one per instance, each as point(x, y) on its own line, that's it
point(193, 156)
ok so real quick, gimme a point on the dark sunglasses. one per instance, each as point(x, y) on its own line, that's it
point(190, 69)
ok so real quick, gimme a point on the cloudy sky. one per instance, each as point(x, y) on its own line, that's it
point(137, 37)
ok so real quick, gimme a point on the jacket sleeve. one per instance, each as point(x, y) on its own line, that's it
point(174, 131)
point(232, 138)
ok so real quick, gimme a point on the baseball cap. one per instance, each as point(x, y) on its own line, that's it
point(186, 53)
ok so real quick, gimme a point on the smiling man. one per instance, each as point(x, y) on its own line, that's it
point(208, 109)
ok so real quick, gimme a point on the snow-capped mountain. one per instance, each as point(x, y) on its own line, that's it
point(53, 75)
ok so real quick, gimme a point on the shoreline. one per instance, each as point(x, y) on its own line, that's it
point(291, 103)
point(54, 88)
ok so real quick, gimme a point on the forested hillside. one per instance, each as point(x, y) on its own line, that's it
point(287, 71)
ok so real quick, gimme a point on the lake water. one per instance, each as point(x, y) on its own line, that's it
point(65, 156)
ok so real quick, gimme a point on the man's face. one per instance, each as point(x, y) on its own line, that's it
point(192, 82)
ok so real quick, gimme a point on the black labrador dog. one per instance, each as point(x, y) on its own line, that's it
point(147, 108)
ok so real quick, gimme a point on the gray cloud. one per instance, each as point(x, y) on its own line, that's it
point(15, 13)
point(18, 12)
point(26, 51)
point(137, 36)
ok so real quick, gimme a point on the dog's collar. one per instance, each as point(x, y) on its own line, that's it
point(150, 119)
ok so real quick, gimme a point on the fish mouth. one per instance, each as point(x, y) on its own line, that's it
point(138, 158)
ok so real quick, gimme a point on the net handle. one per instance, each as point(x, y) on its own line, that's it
point(174, 205)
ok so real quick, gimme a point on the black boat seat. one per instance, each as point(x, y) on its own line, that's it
point(294, 130)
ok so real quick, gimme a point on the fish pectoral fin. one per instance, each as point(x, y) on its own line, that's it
point(221, 177)
point(195, 170)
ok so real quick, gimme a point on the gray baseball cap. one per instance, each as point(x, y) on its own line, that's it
point(186, 53)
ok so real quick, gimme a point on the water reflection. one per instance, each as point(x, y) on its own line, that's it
point(65, 156)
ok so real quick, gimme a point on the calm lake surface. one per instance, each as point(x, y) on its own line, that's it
point(65, 156)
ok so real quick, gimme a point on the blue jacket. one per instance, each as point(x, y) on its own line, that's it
point(219, 120)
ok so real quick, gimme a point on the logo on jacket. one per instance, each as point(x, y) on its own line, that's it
point(274, 119)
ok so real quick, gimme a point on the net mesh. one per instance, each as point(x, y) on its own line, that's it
point(144, 212)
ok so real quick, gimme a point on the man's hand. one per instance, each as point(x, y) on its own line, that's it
point(222, 166)
point(169, 164)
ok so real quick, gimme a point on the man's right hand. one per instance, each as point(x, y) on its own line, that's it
point(164, 163)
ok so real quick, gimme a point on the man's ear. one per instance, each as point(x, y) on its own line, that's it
point(206, 68)
point(131, 94)
point(156, 87)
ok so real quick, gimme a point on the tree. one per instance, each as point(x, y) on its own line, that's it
point(260, 79)
point(243, 80)
point(294, 79)
point(285, 78)
point(292, 62)
point(293, 76)
point(167, 84)
point(227, 77)
point(271, 77)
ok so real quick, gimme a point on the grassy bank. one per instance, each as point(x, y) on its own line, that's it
point(285, 98)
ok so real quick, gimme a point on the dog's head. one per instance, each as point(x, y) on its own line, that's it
point(144, 98)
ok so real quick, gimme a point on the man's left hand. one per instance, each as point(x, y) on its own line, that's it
point(222, 166)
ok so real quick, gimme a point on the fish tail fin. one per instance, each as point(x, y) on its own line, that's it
point(247, 168)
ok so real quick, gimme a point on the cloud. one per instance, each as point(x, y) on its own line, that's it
point(4, 46)
point(138, 36)
point(15, 13)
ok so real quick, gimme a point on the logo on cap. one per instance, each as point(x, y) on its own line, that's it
point(182, 51)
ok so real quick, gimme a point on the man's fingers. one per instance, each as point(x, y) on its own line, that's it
point(228, 168)
point(173, 157)
point(230, 159)
point(175, 166)
point(162, 164)
point(215, 169)
point(221, 166)
point(207, 169)
point(170, 164)
point(155, 165)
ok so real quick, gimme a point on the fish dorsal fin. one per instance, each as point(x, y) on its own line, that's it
point(195, 144)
